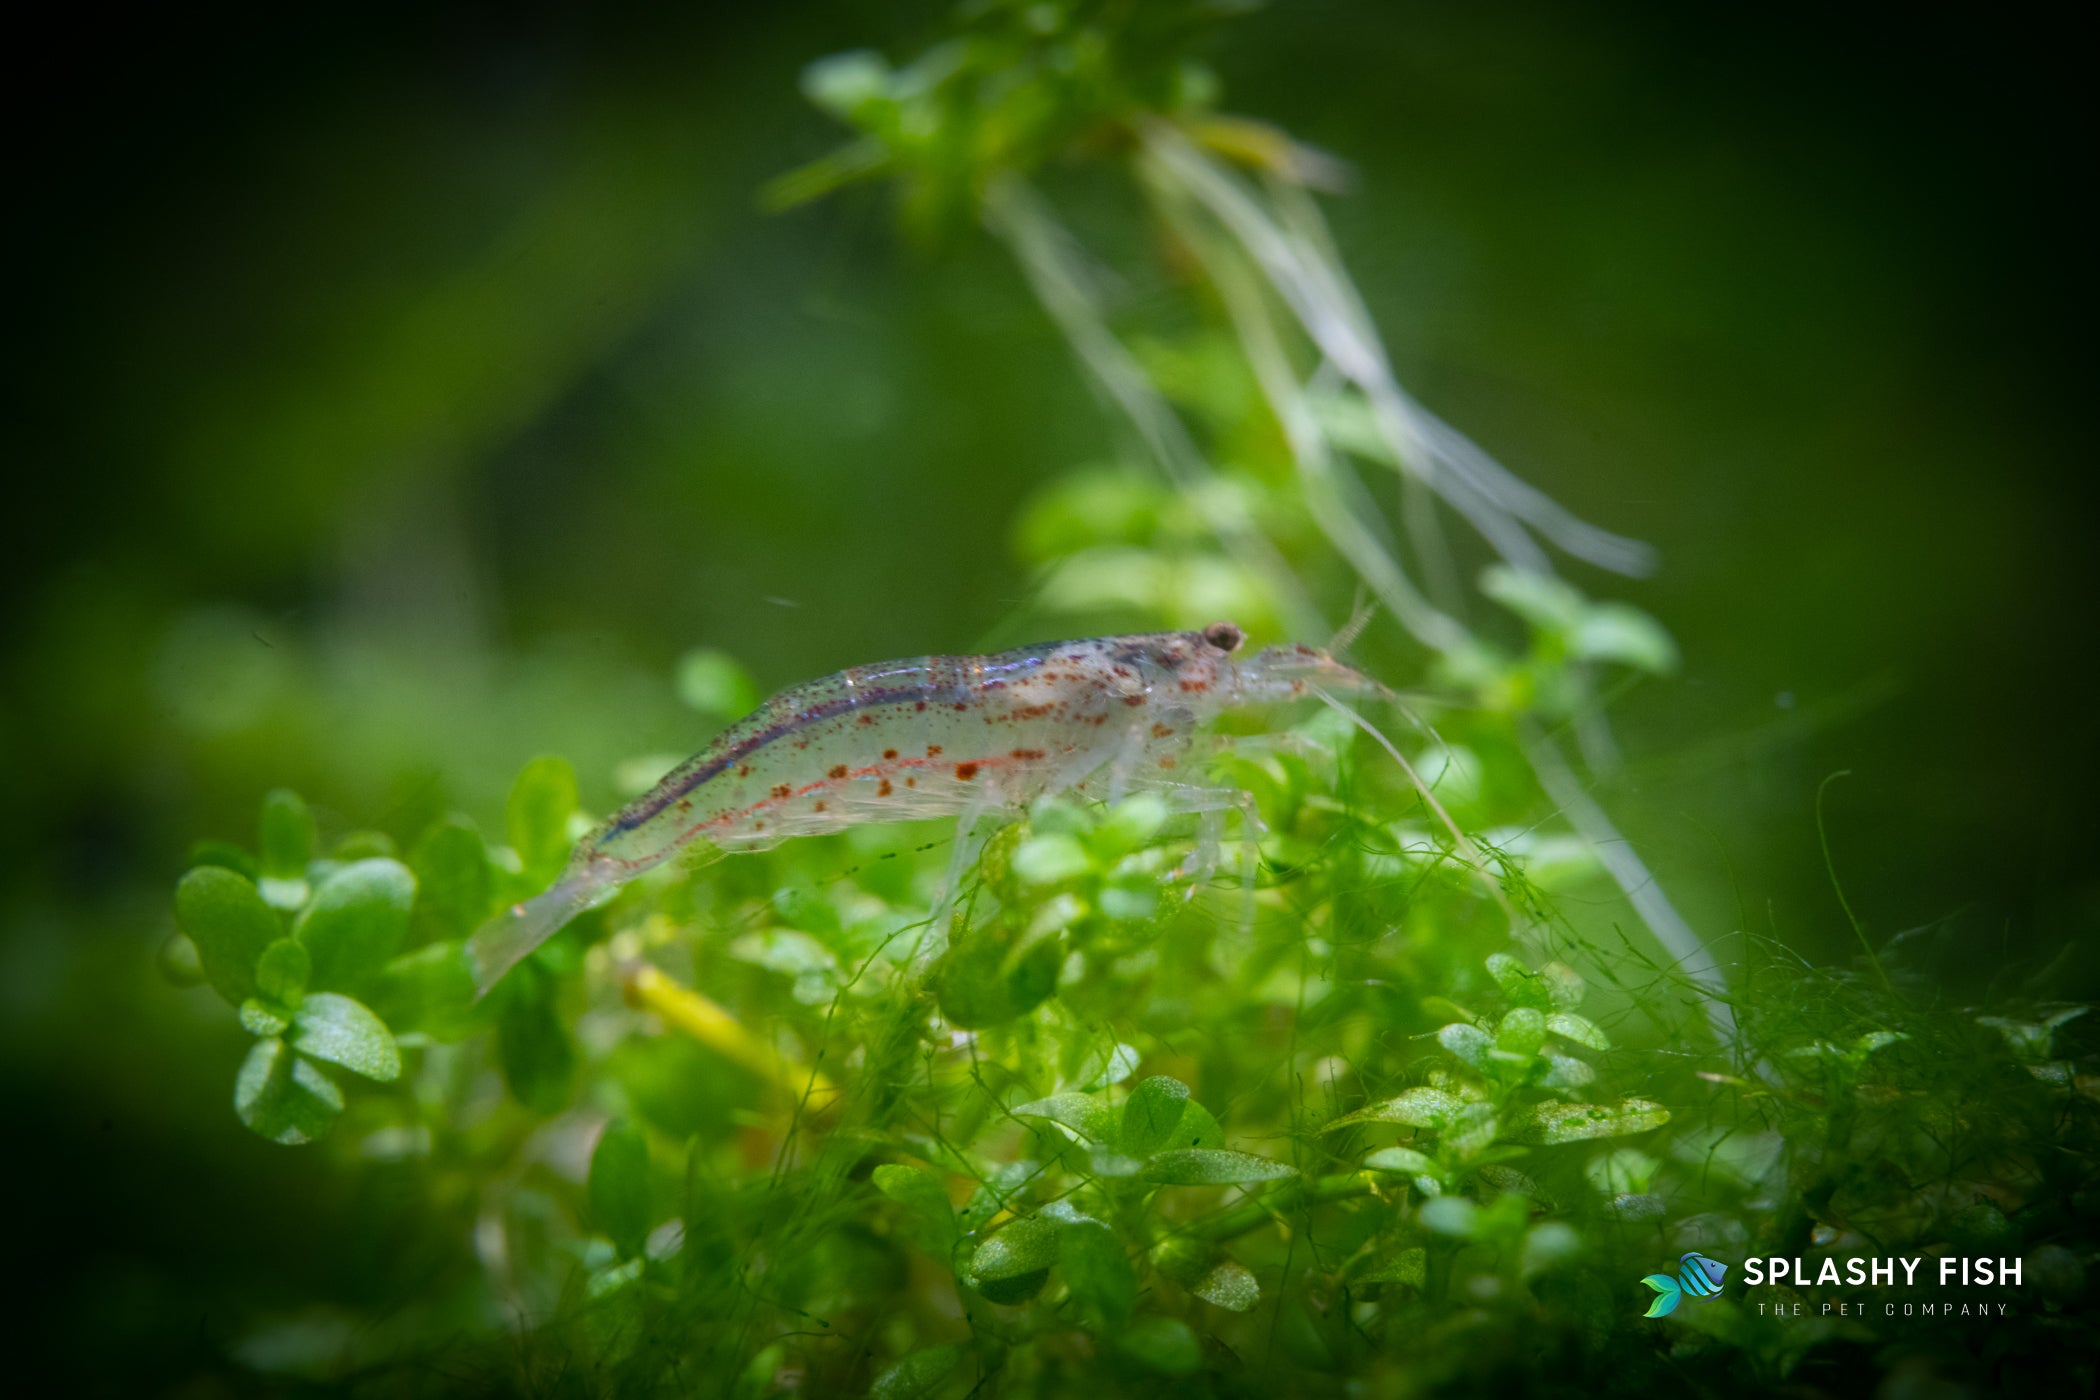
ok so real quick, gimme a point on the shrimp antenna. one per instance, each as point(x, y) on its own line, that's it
point(1359, 618)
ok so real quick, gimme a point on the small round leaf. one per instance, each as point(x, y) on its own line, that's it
point(226, 918)
point(332, 1027)
point(358, 919)
point(283, 1096)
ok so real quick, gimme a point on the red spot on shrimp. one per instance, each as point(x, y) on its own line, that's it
point(1167, 762)
point(865, 719)
point(965, 771)
point(783, 790)
point(933, 750)
point(889, 753)
point(820, 806)
point(911, 782)
point(1161, 731)
point(744, 772)
point(1133, 699)
point(1195, 685)
point(884, 790)
point(1028, 755)
point(839, 771)
point(686, 805)
point(920, 706)
point(960, 706)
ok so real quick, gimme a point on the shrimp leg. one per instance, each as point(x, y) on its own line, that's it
point(934, 942)
point(1211, 804)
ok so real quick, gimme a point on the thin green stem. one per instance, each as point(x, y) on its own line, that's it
point(1830, 865)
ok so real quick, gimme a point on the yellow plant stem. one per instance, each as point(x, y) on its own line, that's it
point(650, 989)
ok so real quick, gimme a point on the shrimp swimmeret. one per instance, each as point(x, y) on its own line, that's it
point(933, 736)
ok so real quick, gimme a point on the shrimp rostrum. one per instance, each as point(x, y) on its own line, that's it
point(934, 736)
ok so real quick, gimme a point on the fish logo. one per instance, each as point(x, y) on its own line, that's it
point(1696, 1274)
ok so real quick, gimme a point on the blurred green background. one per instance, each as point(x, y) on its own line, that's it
point(402, 393)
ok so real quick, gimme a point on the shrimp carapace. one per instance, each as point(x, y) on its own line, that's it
point(932, 736)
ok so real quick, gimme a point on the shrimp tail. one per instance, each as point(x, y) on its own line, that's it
point(504, 941)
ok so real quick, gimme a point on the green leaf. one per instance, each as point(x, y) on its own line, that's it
point(287, 845)
point(179, 961)
point(358, 919)
point(916, 1373)
point(1564, 986)
point(226, 918)
point(453, 884)
point(1404, 1160)
point(846, 84)
point(284, 1097)
point(1209, 1166)
point(991, 974)
point(1021, 1247)
point(1450, 1215)
point(429, 990)
point(1008, 1292)
point(287, 836)
point(1152, 1113)
point(1106, 1064)
point(1470, 1128)
point(619, 1187)
point(713, 683)
point(362, 845)
point(224, 854)
point(1877, 1040)
point(1547, 603)
point(1085, 1114)
point(1575, 1122)
point(1578, 1030)
point(1162, 1344)
point(283, 971)
point(1128, 827)
point(1408, 1266)
point(1624, 1171)
point(920, 1192)
point(1097, 1270)
point(1421, 1108)
point(541, 803)
point(332, 1027)
point(260, 1018)
point(1051, 860)
point(1618, 632)
point(1518, 982)
point(1230, 1286)
point(1469, 1044)
point(1522, 1032)
point(1197, 1128)
point(1550, 1244)
point(533, 1048)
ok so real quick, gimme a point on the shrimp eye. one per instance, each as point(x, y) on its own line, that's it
point(1225, 636)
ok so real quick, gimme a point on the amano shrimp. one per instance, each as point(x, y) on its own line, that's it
point(934, 736)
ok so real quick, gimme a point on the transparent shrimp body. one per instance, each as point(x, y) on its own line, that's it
point(932, 736)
